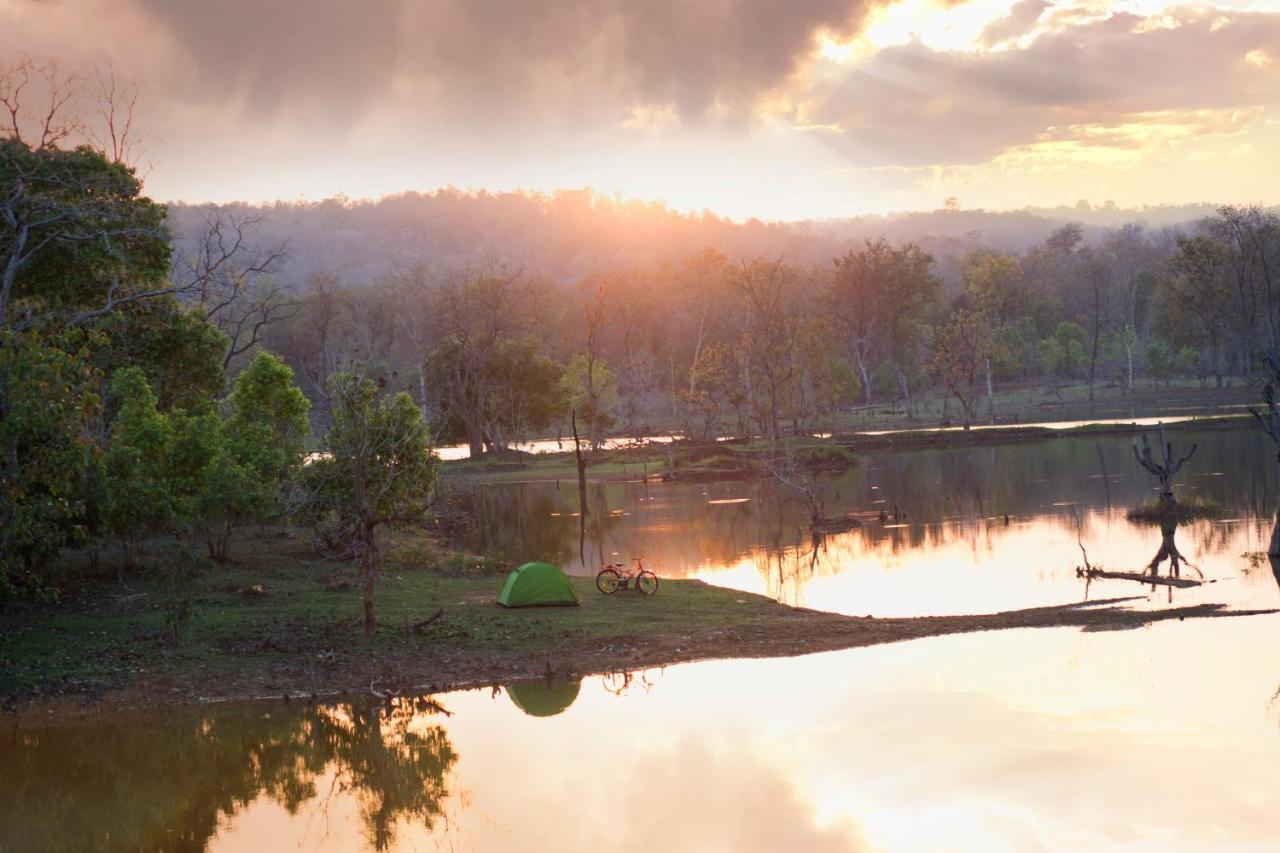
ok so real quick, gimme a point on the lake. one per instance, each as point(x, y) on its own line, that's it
point(1164, 737)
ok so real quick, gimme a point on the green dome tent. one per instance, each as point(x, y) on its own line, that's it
point(543, 697)
point(537, 585)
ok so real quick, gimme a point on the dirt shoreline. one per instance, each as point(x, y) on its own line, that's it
point(786, 632)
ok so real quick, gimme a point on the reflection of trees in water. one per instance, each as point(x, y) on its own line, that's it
point(164, 782)
point(539, 522)
point(944, 493)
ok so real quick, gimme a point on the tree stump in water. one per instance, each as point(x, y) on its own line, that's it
point(1163, 470)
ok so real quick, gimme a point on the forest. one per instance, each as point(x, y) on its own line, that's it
point(762, 329)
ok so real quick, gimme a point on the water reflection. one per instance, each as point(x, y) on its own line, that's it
point(1164, 738)
point(975, 530)
point(172, 781)
point(544, 697)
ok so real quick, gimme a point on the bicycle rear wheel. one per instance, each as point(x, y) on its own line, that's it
point(607, 581)
point(647, 583)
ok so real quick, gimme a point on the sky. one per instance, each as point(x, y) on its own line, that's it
point(747, 108)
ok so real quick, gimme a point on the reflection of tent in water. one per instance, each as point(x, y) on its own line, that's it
point(543, 697)
point(537, 585)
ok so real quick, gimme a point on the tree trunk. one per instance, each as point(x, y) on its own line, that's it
point(582, 489)
point(1093, 361)
point(906, 391)
point(475, 442)
point(866, 381)
point(1128, 353)
point(991, 394)
point(422, 391)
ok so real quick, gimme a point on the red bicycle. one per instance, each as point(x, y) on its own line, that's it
point(616, 576)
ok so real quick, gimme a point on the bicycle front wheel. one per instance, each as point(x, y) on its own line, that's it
point(607, 581)
point(647, 583)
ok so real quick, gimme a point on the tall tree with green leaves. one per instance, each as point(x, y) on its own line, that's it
point(47, 400)
point(377, 469)
point(235, 470)
point(143, 502)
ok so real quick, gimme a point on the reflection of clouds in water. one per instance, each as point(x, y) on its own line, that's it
point(702, 796)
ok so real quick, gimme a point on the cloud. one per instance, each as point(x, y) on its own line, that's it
point(913, 106)
point(481, 60)
point(1020, 20)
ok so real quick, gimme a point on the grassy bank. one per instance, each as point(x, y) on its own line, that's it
point(281, 620)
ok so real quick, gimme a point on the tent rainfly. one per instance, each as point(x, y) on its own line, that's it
point(537, 585)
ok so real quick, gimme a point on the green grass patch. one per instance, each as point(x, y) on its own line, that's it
point(286, 615)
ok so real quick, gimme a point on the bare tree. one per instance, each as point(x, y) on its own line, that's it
point(226, 277)
point(114, 103)
point(40, 102)
point(1165, 469)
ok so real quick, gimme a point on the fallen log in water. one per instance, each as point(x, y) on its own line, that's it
point(1094, 574)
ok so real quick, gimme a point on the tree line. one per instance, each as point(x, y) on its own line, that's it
point(495, 353)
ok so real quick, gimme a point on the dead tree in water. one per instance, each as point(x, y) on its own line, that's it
point(1163, 470)
point(1271, 423)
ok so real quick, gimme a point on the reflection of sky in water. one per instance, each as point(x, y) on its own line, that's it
point(1163, 738)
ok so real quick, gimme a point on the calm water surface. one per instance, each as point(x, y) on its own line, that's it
point(1165, 737)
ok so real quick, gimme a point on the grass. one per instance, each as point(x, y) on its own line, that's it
point(1154, 512)
point(292, 618)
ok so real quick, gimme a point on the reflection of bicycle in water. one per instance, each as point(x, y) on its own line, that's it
point(616, 576)
point(620, 682)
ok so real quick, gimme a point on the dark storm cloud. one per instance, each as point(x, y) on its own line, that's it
point(493, 55)
point(910, 105)
point(269, 53)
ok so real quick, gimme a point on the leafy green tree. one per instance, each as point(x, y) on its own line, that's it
point(715, 384)
point(79, 241)
point(1162, 361)
point(377, 469)
point(180, 352)
point(1191, 363)
point(877, 296)
point(527, 394)
point(47, 400)
point(592, 389)
point(142, 501)
point(233, 471)
point(1199, 301)
point(1065, 351)
point(962, 354)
